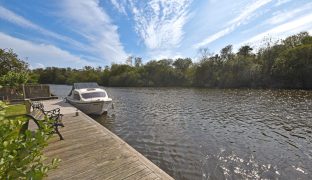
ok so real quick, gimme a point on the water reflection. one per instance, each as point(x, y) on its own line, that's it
point(217, 134)
point(105, 119)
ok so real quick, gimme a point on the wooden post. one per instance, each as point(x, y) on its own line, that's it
point(27, 103)
point(24, 92)
point(49, 91)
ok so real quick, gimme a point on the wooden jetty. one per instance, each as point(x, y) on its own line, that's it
point(90, 151)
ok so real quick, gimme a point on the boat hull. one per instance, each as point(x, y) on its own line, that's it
point(96, 107)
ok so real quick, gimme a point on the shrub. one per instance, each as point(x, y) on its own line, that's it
point(21, 154)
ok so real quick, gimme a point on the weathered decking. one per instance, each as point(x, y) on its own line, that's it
point(90, 151)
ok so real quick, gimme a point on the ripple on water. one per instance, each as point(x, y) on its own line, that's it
point(216, 134)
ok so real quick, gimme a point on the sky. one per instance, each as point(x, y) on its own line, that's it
point(78, 33)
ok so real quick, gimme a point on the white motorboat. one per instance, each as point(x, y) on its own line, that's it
point(89, 98)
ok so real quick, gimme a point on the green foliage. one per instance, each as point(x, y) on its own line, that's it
point(14, 79)
point(13, 72)
point(244, 51)
point(33, 78)
point(283, 64)
point(226, 53)
point(9, 62)
point(182, 64)
point(294, 67)
point(295, 40)
point(21, 151)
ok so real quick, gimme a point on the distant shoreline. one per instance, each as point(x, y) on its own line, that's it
point(196, 87)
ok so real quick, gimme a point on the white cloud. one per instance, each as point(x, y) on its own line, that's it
point(215, 36)
point(92, 22)
point(282, 16)
point(245, 15)
point(247, 12)
point(119, 6)
point(41, 54)
point(159, 23)
point(281, 2)
point(300, 24)
point(14, 18)
point(10, 16)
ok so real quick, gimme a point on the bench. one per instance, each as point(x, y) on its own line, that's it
point(39, 114)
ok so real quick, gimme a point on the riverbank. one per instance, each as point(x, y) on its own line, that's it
point(90, 151)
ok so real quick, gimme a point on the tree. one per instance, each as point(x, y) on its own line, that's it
point(226, 52)
point(182, 64)
point(160, 73)
point(294, 67)
point(14, 79)
point(244, 51)
point(137, 61)
point(13, 72)
point(307, 40)
point(204, 53)
point(9, 62)
point(295, 40)
point(129, 60)
point(165, 62)
point(284, 63)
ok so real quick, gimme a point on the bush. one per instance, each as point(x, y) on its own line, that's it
point(14, 79)
point(21, 152)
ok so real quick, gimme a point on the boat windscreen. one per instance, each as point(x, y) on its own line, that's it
point(85, 85)
point(93, 95)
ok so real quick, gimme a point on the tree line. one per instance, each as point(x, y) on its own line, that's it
point(283, 64)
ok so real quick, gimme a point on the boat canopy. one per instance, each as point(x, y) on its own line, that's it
point(85, 85)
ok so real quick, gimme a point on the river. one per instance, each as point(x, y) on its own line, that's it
point(215, 133)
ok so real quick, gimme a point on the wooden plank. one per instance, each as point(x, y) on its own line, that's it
point(74, 150)
point(69, 171)
point(104, 167)
point(121, 169)
point(70, 147)
point(98, 157)
point(150, 177)
point(129, 172)
point(54, 148)
point(139, 175)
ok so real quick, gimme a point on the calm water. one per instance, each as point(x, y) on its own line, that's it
point(215, 134)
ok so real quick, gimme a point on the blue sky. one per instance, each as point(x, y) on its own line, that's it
point(76, 33)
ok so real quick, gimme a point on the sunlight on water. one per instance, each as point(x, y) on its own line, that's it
point(299, 169)
point(231, 165)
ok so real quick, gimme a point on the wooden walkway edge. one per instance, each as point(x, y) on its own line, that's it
point(90, 151)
